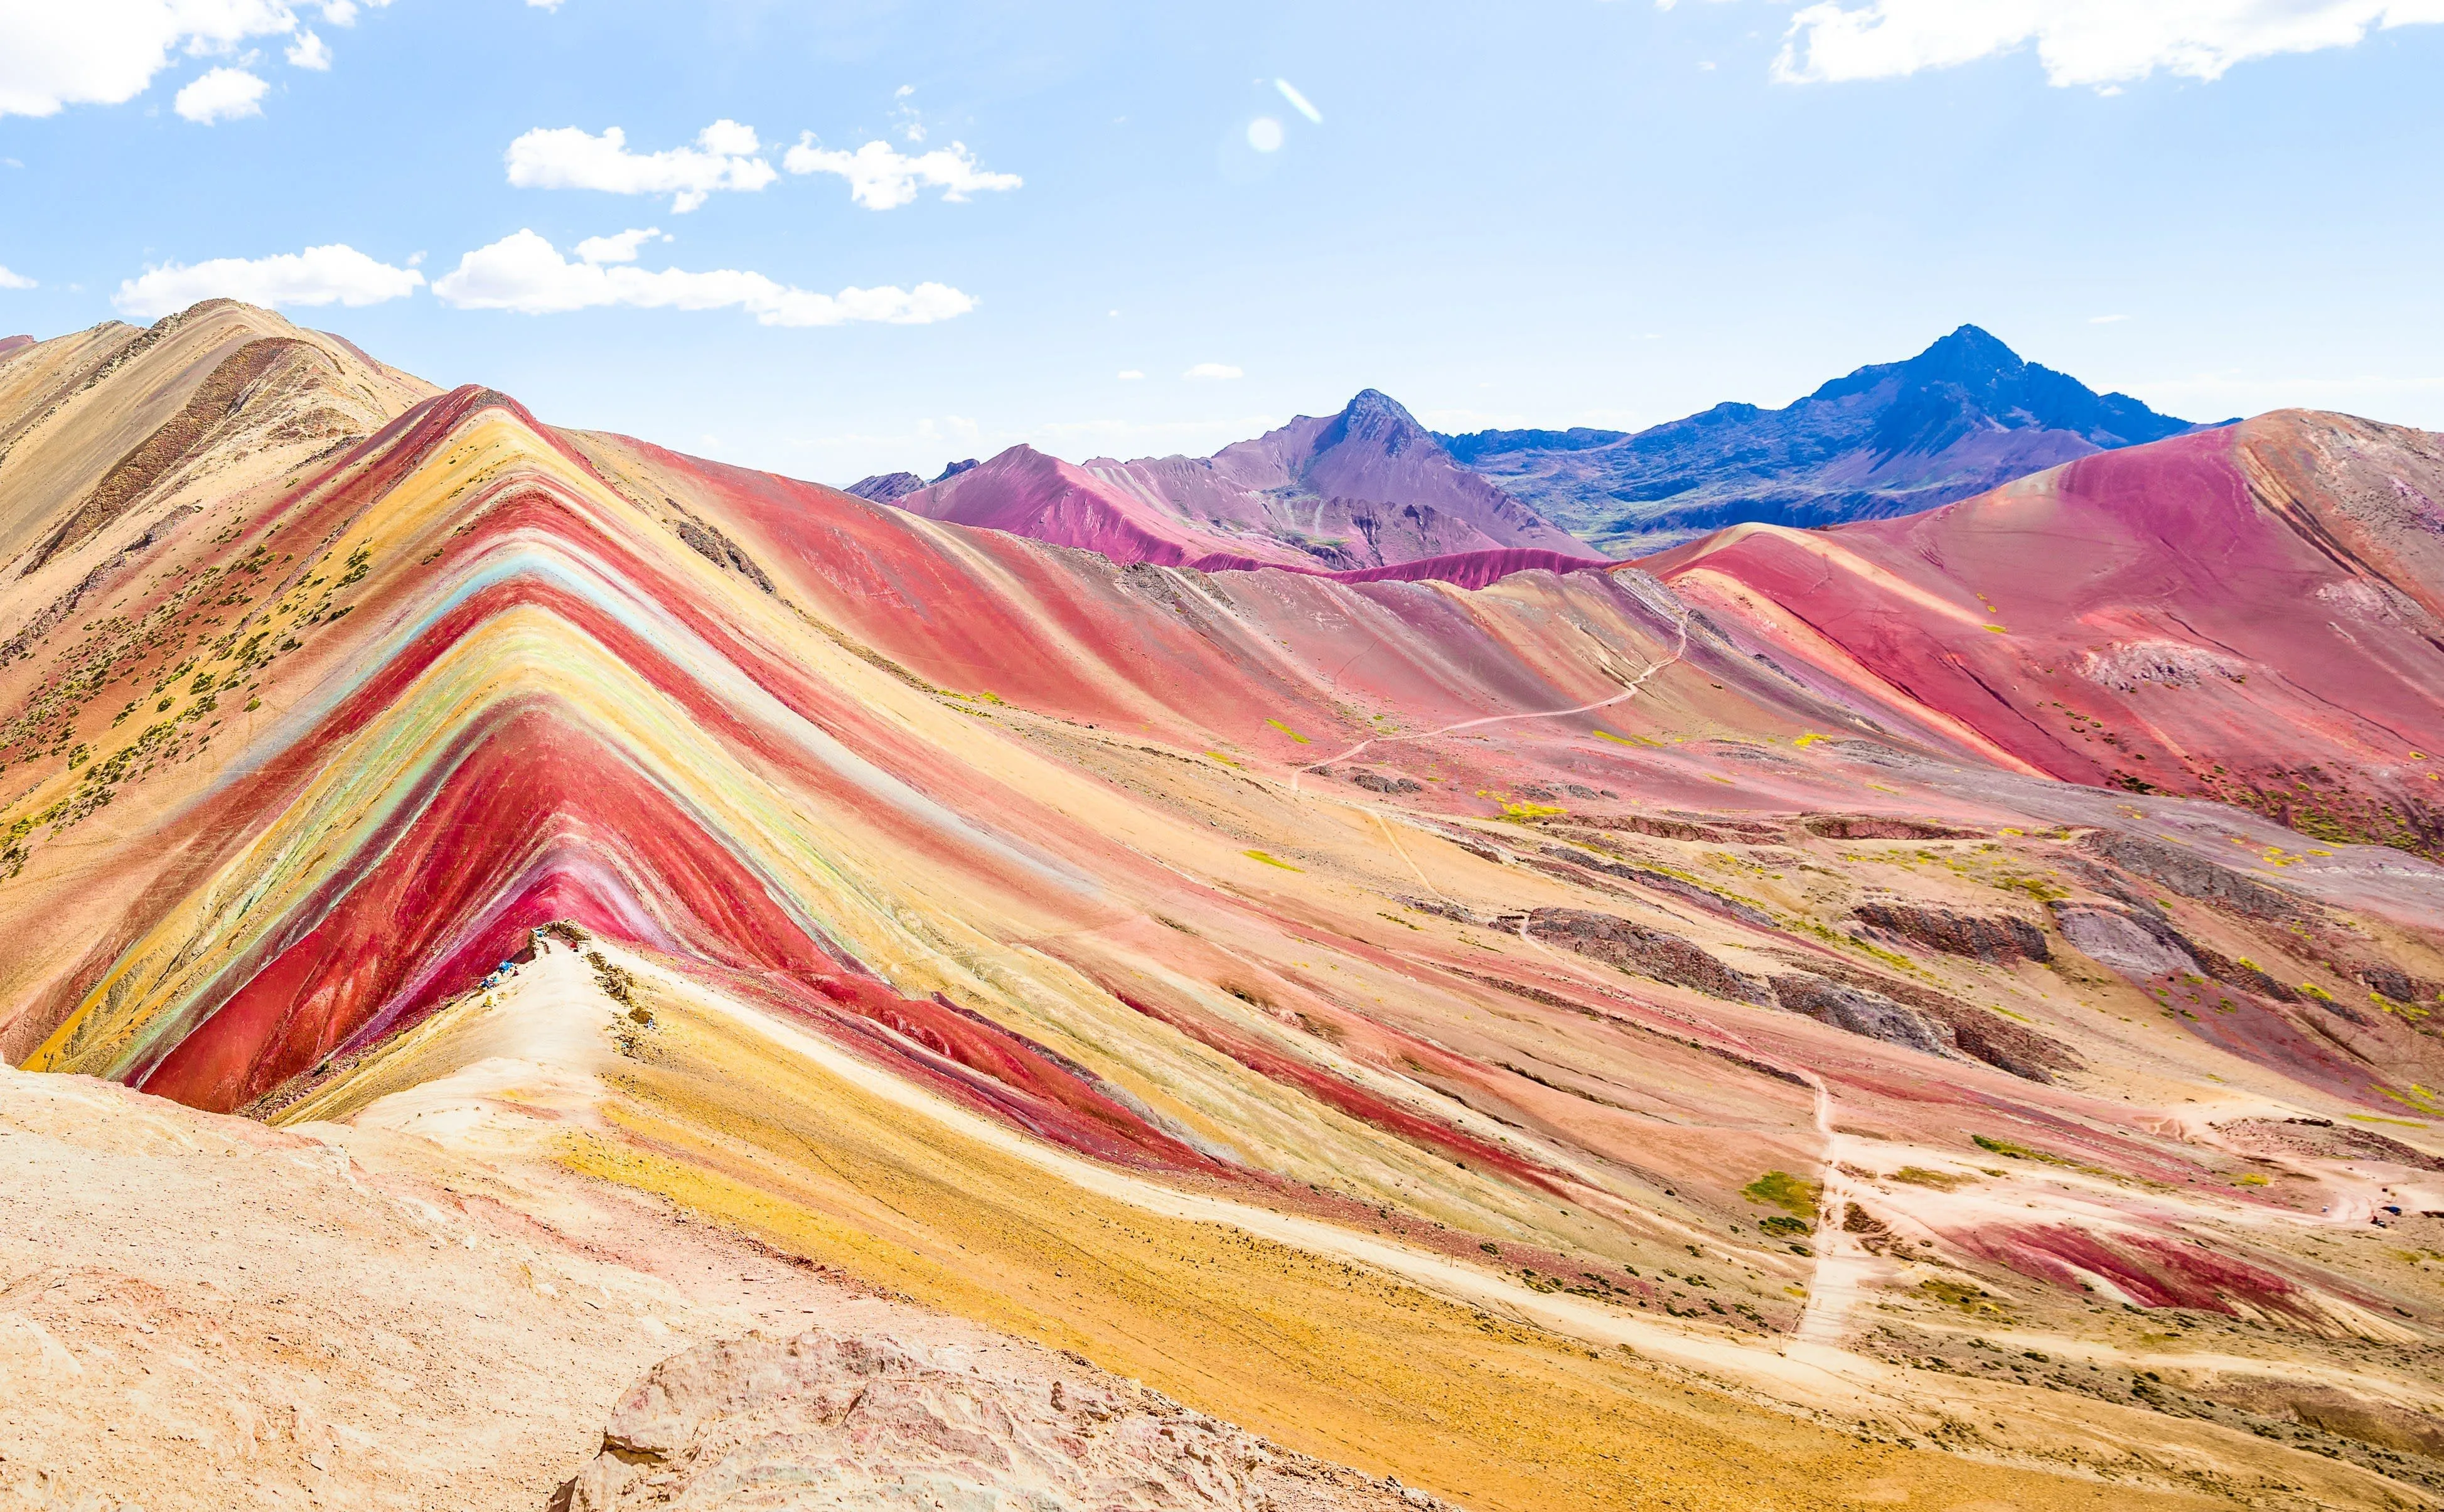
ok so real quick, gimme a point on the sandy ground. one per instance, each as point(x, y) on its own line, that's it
point(198, 1312)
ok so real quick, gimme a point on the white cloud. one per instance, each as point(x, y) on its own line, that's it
point(309, 51)
point(1299, 101)
point(1213, 370)
point(911, 120)
point(619, 248)
point(10, 280)
point(224, 94)
point(724, 157)
point(319, 275)
point(880, 176)
point(1130, 375)
point(2099, 43)
point(56, 53)
point(2106, 319)
point(525, 273)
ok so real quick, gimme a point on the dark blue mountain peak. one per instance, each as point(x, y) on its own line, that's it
point(1969, 351)
point(1963, 415)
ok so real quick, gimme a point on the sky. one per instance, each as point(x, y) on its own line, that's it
point(855, 237)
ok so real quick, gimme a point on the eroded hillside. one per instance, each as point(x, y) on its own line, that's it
point(1520, 1039)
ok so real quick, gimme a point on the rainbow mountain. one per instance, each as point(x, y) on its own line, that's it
point(1587, 1039)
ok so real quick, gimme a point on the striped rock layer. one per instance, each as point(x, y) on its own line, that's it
point(1392, 1014)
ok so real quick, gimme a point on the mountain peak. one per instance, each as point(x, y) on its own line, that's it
point(1970, 351)
point(1375, 401)
point(1373, 416)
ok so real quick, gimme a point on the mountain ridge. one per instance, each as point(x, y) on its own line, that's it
point(1365, 488)
point(1966, 415)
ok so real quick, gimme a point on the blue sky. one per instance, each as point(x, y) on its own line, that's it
point(1549, 213)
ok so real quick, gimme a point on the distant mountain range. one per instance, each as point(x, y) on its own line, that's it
point(1965, 415)
point(1366, 488)
point(1371, 487)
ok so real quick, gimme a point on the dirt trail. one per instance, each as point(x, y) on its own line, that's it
point(1631, 691)
point(1815, 1379)
point(1841, 1261)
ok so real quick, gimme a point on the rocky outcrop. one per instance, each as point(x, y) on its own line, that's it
point(1993, 938)
point(1977, 1033)
point(1883, 827)
point(871, 1422)
point(1648, 952)
point(2141, 944)
point(1861, 1012)
point(2003, 1044)
point(1709, 829)
point(2130, 943)
point(721, 551)
point(1687, 891)
point(2395, 983)
point(2191, 876)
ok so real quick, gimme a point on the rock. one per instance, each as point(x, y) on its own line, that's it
point(2005, 1045)
point(2397, 983)
point(1648, 952)
point(1882, 827)
point(2144, 944)
point(2190, 876)
point(1870, 1014)
point(1975, 1032)
point(721, 551)
point(1716, 829)
point(1992, 938)
point(875, 1423)
point(1687, 891)
point(2123, 942)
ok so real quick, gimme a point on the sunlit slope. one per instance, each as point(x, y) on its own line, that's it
point(139, 422)
point(1284, 668)
point(2252, 614)
point(1012, 929)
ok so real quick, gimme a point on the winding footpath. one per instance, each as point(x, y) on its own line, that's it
point(1631, 691)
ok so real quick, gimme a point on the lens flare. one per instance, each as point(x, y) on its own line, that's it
point(1265, 134)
